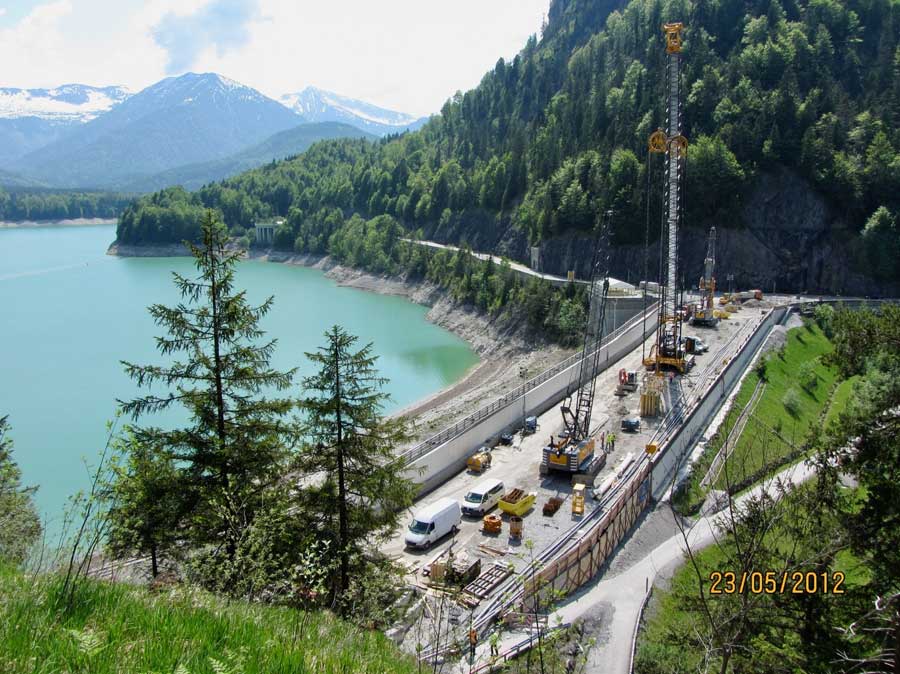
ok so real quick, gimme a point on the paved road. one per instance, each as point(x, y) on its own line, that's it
point(626, 591)
point(521, 268)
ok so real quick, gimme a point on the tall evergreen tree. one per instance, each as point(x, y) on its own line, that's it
point(352, 449)
point(19, 523)
point(236, 444)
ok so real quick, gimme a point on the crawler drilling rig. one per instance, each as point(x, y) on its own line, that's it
point(668, 351)
point(574, 450)
point(705, 313)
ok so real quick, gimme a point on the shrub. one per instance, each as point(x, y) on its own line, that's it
point(760, 368)
point(807, 376)
point(791, 402)
point(824, 315)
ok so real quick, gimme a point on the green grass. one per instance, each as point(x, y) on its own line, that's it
point(840, 398)
point(667, 643)
point(772, 432)
point(117, 628)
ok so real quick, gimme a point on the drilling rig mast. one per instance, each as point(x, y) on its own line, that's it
point(705, 314)
point(575, 450)
point(668, 350)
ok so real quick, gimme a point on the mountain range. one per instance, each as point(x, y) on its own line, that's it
point(318, 105)
point(190, 130)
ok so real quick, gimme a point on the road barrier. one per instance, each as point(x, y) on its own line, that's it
point(433, 461)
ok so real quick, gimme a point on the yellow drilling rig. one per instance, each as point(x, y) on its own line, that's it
point(668, 350)
point(705, 314)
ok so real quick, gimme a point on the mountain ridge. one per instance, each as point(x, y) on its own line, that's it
point(177, 121)
point(320, 105)
point(281, 145)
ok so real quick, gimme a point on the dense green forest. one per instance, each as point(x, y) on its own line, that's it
point(558, 134)
point(60, 205)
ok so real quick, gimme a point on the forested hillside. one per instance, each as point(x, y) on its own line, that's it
point(34, 204)
point(792, 110)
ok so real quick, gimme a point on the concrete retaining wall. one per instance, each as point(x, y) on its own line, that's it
point(698, 416)
point(447, 459)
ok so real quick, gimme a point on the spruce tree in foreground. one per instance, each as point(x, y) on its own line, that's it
point(19, 522)
point(144, 514)
point(217, 366)
point(350, 455)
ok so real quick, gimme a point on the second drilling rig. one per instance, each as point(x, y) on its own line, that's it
point(668, 350)
point(705, 314)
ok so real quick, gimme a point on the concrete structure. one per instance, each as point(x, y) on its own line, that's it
point(435, 460)
point(265, 231)
point(698, 414)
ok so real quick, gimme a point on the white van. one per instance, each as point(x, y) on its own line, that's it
point(433, 522)
point(483, 496)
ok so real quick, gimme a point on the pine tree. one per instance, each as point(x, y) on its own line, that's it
point(144, 515)
point(19, 523)
point(352, 448)
point(236, 444)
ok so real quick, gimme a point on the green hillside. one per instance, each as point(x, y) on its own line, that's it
point(790, 103)
point(279, 146)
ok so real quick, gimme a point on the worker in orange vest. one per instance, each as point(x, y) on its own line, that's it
point(473, 641)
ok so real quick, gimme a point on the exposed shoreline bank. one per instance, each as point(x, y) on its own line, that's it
point(74, 222)
point(504, 348)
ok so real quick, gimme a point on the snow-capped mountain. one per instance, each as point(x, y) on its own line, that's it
point(33, 118)
point(179, 120)
point(318, 105)
point(69, 102)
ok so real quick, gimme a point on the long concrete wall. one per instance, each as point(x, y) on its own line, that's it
point(448, 458)
point(698, 415)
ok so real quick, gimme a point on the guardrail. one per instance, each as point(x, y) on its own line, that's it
point(515, 394)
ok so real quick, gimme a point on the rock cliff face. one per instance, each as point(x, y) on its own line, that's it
point(786, 237)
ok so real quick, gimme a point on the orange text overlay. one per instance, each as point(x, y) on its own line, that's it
point(776, 582)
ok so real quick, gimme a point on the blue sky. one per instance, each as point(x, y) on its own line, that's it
point(410, 55)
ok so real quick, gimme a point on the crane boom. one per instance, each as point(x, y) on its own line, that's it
point(575, 449)
point(577, 422)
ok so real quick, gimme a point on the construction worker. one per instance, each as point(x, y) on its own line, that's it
point(473, 641)
point(612, 442)
point(495, 644)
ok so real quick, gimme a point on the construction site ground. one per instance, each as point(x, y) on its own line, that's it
point(518, 465)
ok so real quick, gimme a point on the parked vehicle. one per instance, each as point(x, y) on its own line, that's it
point(694, 344)
point(531, 424)
point(480, 461)
point(632, 425)
point(506, 439)
point(482, 497)
point(433, 522)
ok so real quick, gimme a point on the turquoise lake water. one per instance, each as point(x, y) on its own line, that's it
point(71, 313)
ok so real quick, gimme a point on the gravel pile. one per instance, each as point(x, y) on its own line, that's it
point(657, 526)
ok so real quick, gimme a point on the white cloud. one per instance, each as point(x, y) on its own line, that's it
point(410, 55)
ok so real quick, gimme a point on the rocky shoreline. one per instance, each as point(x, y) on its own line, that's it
point(504, 347)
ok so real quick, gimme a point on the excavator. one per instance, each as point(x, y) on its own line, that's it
point(574, 450)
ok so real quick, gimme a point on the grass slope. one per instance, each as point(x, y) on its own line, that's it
point(773, 433)
point(668, 643)
point(118, 628)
